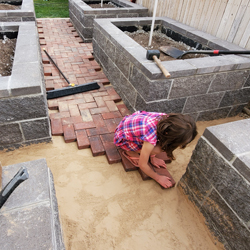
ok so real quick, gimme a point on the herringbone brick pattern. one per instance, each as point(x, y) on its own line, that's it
point(89, 118)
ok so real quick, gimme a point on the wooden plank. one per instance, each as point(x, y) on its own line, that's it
point(203, 14)
point(179, 10)
point(190, 12)
point(238, 18)
point(243, 26)
point(197, 13)
point(208, 15)
point(227, 19)
point(186, 11)
point(217, 17)
point(183, 11)
point(245, 37)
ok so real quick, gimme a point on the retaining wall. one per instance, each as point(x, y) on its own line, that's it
point(24, 14)
point(82, 15)
point(206, 88)
point(23, 106)
point(217, 181)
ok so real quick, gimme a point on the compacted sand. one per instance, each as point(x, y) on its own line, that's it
point(102, 207)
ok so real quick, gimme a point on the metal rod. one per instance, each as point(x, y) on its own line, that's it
point(153, 23)
point(57, 67)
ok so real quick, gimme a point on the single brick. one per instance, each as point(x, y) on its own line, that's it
point(74, 111)
point(111, 105)
point(112, 153)
point(99, 110)
point(86, 116)
point(82, 139)
point(87, 105)
point(63, 107)
point(59, 115)
point(72, 120)
point(123, 109)
point(69, 133)
point(84, 125)
point(88, 98)
point(99, 122)
point(52, 104)
point(99, 101)
point(96, 145)
point(97, 131)
point(56, 127)
point(111, 125)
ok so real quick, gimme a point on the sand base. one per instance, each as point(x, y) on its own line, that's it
point(103, 207)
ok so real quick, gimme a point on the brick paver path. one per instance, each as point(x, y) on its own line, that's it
point(89, 118)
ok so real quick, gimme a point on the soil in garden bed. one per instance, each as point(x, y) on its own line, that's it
point(4, 6)
point(7, 51)
point(159, 39)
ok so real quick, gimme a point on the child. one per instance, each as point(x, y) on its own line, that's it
point(143, 134)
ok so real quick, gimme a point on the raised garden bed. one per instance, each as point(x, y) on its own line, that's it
point(217, 181)
point(82, 14)
point(206, 88)
point(25, 11)
point(23, 105)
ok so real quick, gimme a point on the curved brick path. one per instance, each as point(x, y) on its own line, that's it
point(89, 118)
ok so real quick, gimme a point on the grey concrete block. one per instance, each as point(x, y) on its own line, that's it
point(228, 81)
point(149, 90)
point(121, 61)
point(203, 102)
point(4, 91)
point(10, 134)
point(128, 89)
point(235, 97)
point(36, 129)
point(235, 233)
point(189, 86)
point(228, 135)
point(30, 216)
point(16, 109)
point(242, 164)
point(197, 182)
point(23, 235)
point(214, 114)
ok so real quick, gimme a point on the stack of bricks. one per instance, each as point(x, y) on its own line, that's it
point(87, 118)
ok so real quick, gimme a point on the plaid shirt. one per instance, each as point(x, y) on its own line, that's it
point(134, 129)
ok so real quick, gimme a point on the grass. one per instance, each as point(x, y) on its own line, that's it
point(51, 8)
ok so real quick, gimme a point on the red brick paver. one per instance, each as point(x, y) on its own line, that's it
point(88, 119)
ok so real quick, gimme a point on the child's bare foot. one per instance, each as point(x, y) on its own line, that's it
point(157, 162)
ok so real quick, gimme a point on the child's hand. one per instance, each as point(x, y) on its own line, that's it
point(164, 181)
point(157, 162)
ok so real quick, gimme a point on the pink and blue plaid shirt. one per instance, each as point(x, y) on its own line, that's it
point(134, 129)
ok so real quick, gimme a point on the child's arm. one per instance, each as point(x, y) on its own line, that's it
point(143, 164)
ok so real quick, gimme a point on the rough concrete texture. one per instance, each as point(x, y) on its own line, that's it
point(23, 105)
point(25, 14)
point(206, 88)
point(217, 181)
point(82, 15)
point(29, 219)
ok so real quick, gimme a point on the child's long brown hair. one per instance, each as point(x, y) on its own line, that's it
point(175, 130)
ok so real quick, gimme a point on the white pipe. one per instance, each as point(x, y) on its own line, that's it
point(101, 3)
point(153, 23)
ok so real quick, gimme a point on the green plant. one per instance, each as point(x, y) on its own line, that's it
point(51, 8)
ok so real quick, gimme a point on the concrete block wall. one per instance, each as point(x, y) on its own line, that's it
point(29, 219)
point(82, 15)
point(25, 14)
point(217, 181)
point(24, 115)
point(206, 88)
